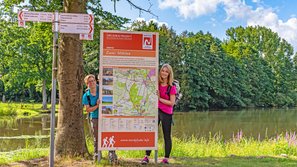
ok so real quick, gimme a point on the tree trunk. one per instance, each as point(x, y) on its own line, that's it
point(44, 96)
point(70, 139)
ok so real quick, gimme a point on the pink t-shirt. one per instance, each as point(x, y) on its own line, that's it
point(166, 108)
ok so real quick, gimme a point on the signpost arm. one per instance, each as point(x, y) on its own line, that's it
point(53, 95)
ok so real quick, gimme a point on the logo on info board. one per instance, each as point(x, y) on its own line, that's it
point(147, 41)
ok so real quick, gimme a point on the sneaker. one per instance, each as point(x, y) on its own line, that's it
point(165, 161)
point(145, 160)
point(112, 156)
point(96, 156)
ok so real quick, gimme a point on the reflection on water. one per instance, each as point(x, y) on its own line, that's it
point(26, 132)
point(253, 123)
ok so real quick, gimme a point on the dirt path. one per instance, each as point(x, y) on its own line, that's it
point(43, 162)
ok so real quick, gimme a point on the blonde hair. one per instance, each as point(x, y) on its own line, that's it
point(170, 75)
point(87, 78)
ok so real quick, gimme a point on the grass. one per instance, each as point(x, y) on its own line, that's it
point(280, 151)
point(215, 151)
point(22, 109)
point(22, 154)
point(30, 151)
point(25, 137)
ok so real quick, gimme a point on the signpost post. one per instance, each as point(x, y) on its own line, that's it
point(54, 83)
point(72, 23)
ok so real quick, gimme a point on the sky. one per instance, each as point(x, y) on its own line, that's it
point(215, 16)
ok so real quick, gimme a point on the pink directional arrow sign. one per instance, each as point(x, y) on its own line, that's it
point(76, 28)
point(35, 16)
point(20, 16)
point(76, 18)
point(21, 21)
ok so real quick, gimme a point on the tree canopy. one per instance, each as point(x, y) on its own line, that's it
point(253, 66)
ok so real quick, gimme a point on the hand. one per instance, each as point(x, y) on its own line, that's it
point(98, 102)
point(158, 94)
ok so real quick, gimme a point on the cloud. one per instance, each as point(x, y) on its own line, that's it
point(256, 1)
point(213, 22)
point(237, 9)
point(263, 17)
point(140, 19)
point(190, 8)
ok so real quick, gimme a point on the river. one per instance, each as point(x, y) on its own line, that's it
point(256, 123)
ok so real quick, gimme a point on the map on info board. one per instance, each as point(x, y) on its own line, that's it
point(134, 92)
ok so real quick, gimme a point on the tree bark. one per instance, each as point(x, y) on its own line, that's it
point(70, 139)
point(44, 96)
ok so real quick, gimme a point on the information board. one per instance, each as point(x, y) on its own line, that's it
point(128, 114)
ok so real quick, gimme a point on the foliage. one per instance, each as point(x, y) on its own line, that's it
point(103, 21)
point(26, 58)
point(27, 53)
point(252, 67)
point(267, 60)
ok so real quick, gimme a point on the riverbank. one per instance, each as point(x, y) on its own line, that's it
point(22, 109)
point(211, 149)
point(280, 151)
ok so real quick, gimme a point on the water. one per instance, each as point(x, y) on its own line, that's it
point(266, 123)
point(24, 132)
point(261, 124)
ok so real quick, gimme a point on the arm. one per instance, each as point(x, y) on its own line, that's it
point(170, 102)
point(91, 109)
point(88, 107)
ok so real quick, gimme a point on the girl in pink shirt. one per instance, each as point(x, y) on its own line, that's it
point(166, 96)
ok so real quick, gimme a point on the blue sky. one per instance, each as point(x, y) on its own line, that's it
point(215, 16)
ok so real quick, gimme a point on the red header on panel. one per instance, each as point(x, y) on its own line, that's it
point(127, 41)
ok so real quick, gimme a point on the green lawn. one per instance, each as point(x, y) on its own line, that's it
point(23, 109)
point(192, 152)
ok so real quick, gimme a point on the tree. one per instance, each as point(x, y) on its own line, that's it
point(26, 60)
point(70, 136)
point(2, 89)
point(70, 139)
point(267, 61)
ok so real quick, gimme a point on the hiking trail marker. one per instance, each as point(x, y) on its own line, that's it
point(68, 23)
